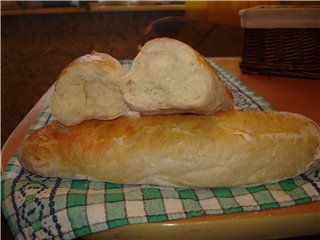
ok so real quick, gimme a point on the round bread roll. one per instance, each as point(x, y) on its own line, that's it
point(88, 88)
point(168, 76)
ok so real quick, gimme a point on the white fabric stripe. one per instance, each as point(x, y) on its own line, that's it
point(96, 213)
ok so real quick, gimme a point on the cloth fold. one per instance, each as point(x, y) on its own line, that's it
point(54, 208)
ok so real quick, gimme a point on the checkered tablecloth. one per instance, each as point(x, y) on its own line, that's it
point(55, 208)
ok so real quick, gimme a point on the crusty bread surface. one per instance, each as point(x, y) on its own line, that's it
point(168, 76)
point(235, 148)
point(88, 88)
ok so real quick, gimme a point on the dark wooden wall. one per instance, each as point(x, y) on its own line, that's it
point(35, 48)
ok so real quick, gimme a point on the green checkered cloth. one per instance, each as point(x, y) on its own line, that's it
point(54, 208)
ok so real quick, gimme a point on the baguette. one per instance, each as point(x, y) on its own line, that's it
point(88, 88)
point(168, 76)
point(236, 148)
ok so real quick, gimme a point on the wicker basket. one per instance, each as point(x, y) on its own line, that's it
point(291, 50)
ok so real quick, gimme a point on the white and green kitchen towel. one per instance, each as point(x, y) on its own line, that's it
point(54, 208)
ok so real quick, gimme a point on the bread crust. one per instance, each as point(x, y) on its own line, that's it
point(235, 148)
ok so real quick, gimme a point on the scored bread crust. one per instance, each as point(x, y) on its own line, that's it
point(226, 149)
point(168, 76)
point(88, 88)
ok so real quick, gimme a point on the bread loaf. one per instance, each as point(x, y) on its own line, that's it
point(168, 76)
point(226, 149)
point(89, 88)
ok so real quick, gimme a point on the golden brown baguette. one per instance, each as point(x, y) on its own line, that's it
point(226, 149)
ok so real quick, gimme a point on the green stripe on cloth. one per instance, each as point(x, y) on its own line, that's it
point(54, 208)
point(247, 99)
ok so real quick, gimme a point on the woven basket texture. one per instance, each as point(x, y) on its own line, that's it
point(293, 52)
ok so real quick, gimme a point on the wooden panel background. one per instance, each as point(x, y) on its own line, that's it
point(227, 12)
point(35, 48)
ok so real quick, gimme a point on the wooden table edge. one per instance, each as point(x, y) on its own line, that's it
point(17, 136)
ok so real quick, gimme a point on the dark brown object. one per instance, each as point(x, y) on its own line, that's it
point(284, 52)
point(207, 38)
